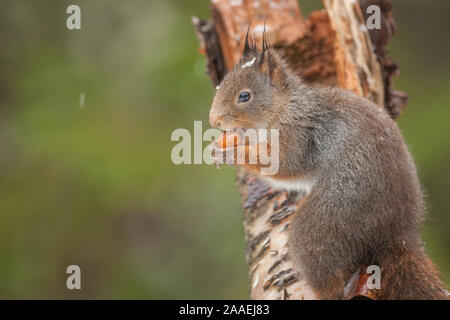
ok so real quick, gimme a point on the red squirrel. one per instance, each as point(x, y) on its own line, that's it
point(363, 204)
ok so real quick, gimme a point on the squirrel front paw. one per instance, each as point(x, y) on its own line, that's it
point(221, 156)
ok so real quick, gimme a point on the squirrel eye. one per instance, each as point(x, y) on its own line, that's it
point(244, 97)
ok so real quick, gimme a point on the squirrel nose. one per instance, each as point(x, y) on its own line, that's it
point(214, 120)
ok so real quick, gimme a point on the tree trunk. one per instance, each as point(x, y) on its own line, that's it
point(331, 47)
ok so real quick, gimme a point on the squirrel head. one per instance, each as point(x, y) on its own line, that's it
point(253, 92)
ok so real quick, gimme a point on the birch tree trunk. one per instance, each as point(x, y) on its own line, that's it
point(332, 47)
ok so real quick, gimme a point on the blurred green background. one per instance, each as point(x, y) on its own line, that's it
point(94, 185)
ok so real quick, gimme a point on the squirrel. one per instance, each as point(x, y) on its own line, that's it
point(363, 203)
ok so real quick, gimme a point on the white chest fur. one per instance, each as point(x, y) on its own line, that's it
point(304, 185)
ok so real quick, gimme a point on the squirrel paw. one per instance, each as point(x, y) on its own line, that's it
point(223, 156)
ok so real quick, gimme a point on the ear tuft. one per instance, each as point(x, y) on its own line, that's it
point(251, 50)
point(265, 40)
point(267, 60)
point(249, 46)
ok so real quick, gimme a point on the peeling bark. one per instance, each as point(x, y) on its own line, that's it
point(356, 63)
point(331, 47)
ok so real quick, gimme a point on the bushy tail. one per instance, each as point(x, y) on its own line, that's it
point(408, 274)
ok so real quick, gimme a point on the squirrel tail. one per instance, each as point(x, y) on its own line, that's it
point(408, 274)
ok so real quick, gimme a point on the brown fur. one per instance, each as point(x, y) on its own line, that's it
point(366, 206)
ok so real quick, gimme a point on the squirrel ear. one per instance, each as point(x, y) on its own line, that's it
point(271, 64)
